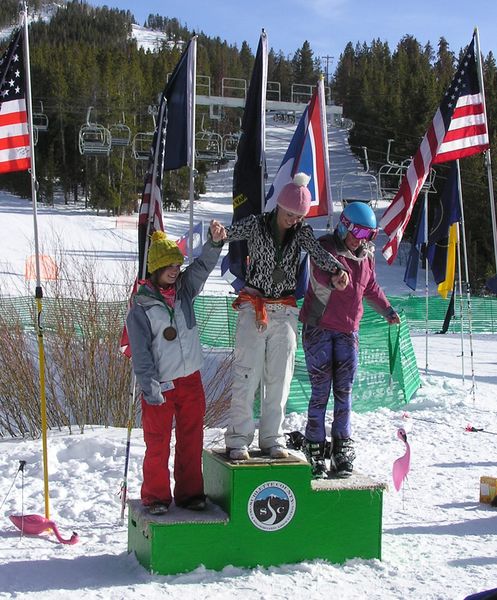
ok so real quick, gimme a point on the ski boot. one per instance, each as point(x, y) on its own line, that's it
point(314, 453)
point(342, 457)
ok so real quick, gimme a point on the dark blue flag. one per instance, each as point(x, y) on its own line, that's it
point(447, 213)
point(250, 166)
point(179, 94)
point(411, 274)
point(171, 146)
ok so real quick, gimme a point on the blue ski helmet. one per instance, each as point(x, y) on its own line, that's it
point(359, 219)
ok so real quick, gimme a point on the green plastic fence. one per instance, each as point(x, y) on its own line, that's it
point(388, 374)
point(387, 377)
point(480, 310)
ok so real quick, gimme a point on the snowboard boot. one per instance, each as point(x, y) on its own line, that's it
point(342, 457)
point(314, 453)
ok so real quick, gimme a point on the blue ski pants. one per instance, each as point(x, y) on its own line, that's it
point(331, 358)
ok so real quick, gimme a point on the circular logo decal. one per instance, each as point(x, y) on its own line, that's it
point(271, 506)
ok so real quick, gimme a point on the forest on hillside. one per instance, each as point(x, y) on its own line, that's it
point(393, 95)
point(85, 57)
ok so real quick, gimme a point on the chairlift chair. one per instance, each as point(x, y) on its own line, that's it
point(142, 142)
point(230, 145)
point(120, 134)
point(94, 139)
point(40, 119)
point(358, 187)
point(390, 177)
point(208, 146)
point(141, 145)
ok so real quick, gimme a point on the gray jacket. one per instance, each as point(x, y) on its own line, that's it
point(155, 359)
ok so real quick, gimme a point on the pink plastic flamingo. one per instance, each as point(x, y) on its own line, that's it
point(401, 465)
point(36, 524)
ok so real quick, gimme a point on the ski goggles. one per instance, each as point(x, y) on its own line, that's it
point(360, 232)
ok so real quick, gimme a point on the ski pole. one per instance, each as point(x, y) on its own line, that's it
point(479, 430)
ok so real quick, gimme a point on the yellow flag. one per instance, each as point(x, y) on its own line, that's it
point(446, 286)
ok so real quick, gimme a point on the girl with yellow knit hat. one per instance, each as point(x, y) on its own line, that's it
point(167, 357)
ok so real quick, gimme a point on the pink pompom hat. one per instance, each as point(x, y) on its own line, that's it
point(295, 196)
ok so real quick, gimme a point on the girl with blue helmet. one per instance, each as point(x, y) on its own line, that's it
point(330, 335)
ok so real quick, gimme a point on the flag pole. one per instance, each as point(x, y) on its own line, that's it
point(142, 275)
point(191, 132)
point(468, 289)
point(488, 161)
point(324, 128)
point(425, 218)
point(461, 315)
point(262, 157)
point(39, 290)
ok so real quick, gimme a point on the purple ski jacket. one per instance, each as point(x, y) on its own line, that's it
point(342, 310)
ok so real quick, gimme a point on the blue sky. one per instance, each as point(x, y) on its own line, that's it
point(327, 24)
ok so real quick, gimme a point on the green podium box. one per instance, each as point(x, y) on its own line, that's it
point(261, 512)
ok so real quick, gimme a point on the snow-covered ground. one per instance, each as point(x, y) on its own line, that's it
point(439, 542)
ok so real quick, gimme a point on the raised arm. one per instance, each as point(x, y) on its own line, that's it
point(323, 259)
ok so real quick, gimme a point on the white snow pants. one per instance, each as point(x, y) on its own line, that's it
point(268, 355)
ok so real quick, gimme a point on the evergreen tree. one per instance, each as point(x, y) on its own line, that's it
point(305, 68)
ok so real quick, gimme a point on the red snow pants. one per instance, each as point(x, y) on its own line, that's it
point(186, 404)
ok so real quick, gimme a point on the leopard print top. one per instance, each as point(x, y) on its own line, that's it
point(263, 253)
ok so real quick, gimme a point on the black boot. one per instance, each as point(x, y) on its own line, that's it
point(314, 453)
point(342, 456)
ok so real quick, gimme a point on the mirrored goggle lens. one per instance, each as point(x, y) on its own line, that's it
point(363, 233)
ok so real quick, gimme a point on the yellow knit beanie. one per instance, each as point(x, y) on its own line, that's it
point(163, 252)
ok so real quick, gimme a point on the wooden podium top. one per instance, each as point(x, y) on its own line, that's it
point(257, 458)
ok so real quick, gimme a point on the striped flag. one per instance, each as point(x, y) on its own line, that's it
point(150, 214)
point(308, 153)
point(14, 133)
point(458, 130)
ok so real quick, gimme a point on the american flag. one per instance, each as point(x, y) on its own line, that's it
point(150, 215)
point(14, 132)
point(458, 130)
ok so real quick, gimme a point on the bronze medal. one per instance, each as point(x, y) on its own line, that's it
point(278, 275)
point(170, 333)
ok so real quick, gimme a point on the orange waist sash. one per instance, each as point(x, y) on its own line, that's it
point(259, 303)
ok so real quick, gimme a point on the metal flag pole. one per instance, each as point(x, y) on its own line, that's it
point(191, 134)
point(468, 288)
point(326, 153)
point(262, 157)
point(150, 221)
point(488, 161)
point(425, 219)
point(38, 291)
point(461, 315)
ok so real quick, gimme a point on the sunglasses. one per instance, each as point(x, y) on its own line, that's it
point(360, 232)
